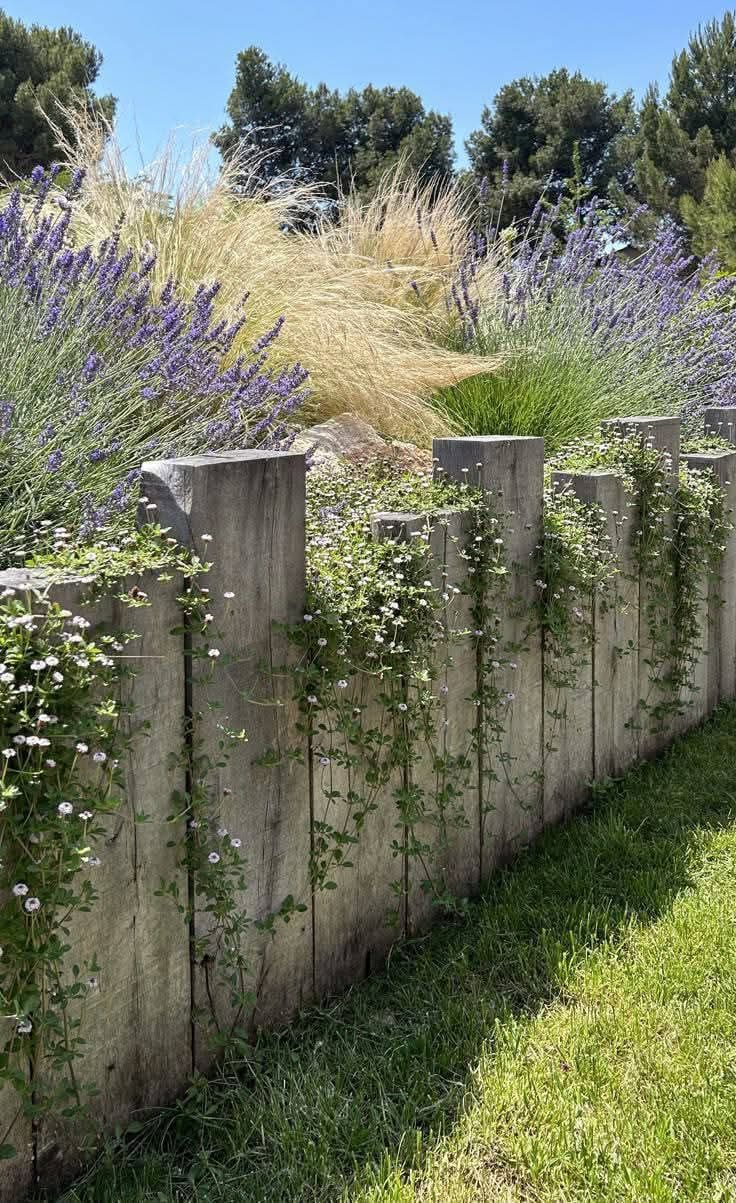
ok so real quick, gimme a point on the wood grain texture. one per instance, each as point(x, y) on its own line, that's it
point(510, 472)
point(252, 504)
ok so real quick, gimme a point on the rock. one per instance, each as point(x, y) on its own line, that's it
point(350, 438)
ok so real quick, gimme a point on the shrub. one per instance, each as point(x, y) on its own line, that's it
point(591, 332)
point(98, 374)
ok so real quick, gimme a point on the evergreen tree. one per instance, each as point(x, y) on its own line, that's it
point(551, 131)
point(326, 136)
point(712, 220)
point(38, 68)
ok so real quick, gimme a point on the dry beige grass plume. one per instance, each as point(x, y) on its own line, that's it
point(371, 341)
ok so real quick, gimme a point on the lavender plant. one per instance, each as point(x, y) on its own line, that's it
point(591, 332)
point(98, 373)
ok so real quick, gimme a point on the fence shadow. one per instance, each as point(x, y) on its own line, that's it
point(380, 1072)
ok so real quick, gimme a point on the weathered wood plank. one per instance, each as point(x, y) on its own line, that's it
point(245, 511)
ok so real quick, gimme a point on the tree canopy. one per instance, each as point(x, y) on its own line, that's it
point(38, 68)
point(323, 135)
point(550, 131)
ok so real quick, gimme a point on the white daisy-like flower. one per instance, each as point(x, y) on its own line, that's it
point(7, 678)
point(213, 653)
point(19, 739)
point(342, 684)
point(65, 808)
point(8, 753)
point(52, 661)
point(23, 1027)
point(214, 858)
point(57, 677)
point(99, 757)
point(206, 538)
point(37, 665)
point(86, 815)
point(82, 748)
point(20, 889)
point(50, 764)
point(235, 842)
point(228, 593)
point(32, 904)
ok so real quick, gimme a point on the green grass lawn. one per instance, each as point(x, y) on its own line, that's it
point(573, 1040)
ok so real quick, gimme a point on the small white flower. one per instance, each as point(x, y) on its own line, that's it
point(7, 678)
point(342, 683)
point(32, 904)
point(20, 889)
point(80, 622)
point(214, 858)
point(57, 677)
point(37, 665)
point(213, 653)
point(99, 757)
point(228, 593)
point(86, 815)
point(444, 689)
point(208, 618)
point(222, 832)
point(81, 748)
point(52, 661)
point(65, 808)
point(206, 538)
point(324, 761)
point(235, 842)
point(540, 584)
point(117, 647)
point(32, 741)
point(50, 764)
point(44, 743)
point(308, 617)
point(403, 706)
point(94, 862)
point(194, 824)
point(19, 739)
point(8, 753)
point(23, 1027)
point(25, 688)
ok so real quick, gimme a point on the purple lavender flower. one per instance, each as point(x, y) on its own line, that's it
point(105, 368)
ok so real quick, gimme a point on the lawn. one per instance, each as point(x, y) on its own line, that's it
point(574, 1039)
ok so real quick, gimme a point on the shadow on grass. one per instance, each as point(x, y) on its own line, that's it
point(381, 1072)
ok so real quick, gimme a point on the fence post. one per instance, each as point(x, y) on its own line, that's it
point(721, 661)
point(136, 1020)
point(510, 471)
point(721, 421)
point(616, 632)
point(662, 434)
point(245, 512)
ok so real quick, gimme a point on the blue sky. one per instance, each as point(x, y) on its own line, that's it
point(171, 62)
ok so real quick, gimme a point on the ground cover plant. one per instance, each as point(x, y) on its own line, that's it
point(566, 1042)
